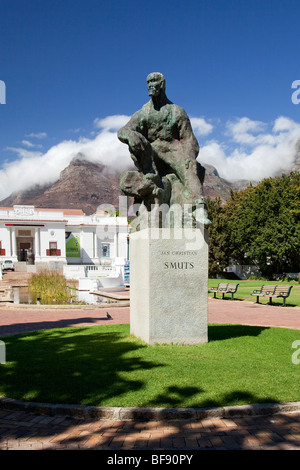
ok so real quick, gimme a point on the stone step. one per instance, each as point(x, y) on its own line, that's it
point(16, 279)
point(21, 266)
point(16, 275)
point(6, 292)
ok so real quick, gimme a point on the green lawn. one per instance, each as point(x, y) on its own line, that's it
point(245, 289)
point(105, 366)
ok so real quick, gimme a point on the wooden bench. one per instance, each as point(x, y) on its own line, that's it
point(272, 292)
point(281, 291)
point(224, 288)
point(231, 289)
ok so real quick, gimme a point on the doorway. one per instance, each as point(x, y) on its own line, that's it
point(24, 249)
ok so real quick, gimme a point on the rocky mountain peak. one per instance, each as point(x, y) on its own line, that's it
point(86, 185)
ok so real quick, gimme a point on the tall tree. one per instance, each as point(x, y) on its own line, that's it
point(218, 238)
point(260, 225)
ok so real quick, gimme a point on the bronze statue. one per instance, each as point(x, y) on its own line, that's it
point(164, 150)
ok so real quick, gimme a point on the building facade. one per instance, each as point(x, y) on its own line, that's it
point(53, 238)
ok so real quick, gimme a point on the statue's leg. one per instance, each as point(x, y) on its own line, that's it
point(191, 179)
point(189, 190)
point(143, 158)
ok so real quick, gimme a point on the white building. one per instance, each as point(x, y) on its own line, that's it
point(56, 238)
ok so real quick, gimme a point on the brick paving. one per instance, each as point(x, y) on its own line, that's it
point(29, 430)
point(251, 313)
point(15, 320)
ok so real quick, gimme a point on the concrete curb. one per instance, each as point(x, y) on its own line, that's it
point(148, 414)
point(12, 306)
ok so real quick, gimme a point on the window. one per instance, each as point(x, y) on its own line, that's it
point(105, 250)
point(53, 251)
point(2, 251)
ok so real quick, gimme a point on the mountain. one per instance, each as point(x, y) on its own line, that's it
point(82, 185)
point(215, 186)
point(85, 185)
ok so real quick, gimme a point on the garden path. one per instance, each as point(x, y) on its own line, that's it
point(24, 430)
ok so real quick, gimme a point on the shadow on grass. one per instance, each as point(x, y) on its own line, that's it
point(174, 395)
point(237, 396)
point(28, 327)
point(86, 367)
point(82, 366)
point(223, 332)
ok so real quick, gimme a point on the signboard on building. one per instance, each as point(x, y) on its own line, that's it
point(72, 245)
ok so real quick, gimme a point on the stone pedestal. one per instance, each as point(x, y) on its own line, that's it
point(169, 285)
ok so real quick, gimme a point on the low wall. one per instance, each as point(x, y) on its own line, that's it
point(243, 271)
point(80, 271)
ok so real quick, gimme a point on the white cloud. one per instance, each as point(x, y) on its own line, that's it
point(257, 150)
point(261, 154)
point(23, 153)
point(34, 167)
point(39, 135)
point(111, 123)
point(200, 126)
point(242, 130)
point(29, 144)
point(285, 124)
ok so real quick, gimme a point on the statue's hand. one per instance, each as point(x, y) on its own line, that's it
point(154, 177)
point(137, 143)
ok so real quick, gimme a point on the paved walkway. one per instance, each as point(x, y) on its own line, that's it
point(14, 320)
point(30, 431)
point(33, 430)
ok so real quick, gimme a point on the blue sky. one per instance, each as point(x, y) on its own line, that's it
point(75, 70)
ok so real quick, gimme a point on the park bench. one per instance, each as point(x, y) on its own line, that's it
point(273, 292)
point(224, 288)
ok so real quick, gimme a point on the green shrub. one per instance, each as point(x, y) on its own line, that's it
point(258, 278)
point(50, 287)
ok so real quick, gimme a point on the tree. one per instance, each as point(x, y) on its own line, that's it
point(259, 225)
point(218, 239)
point(241, 218)
point(277, 244)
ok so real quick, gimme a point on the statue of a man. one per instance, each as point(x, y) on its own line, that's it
point(164, 149)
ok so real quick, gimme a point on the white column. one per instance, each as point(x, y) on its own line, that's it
point(14, 242)
point(117, 242)
point(37, 248)
point(95, 238)
point(81, 245)
point(10, 242)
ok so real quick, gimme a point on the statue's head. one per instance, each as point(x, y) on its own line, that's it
point(156, 84)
